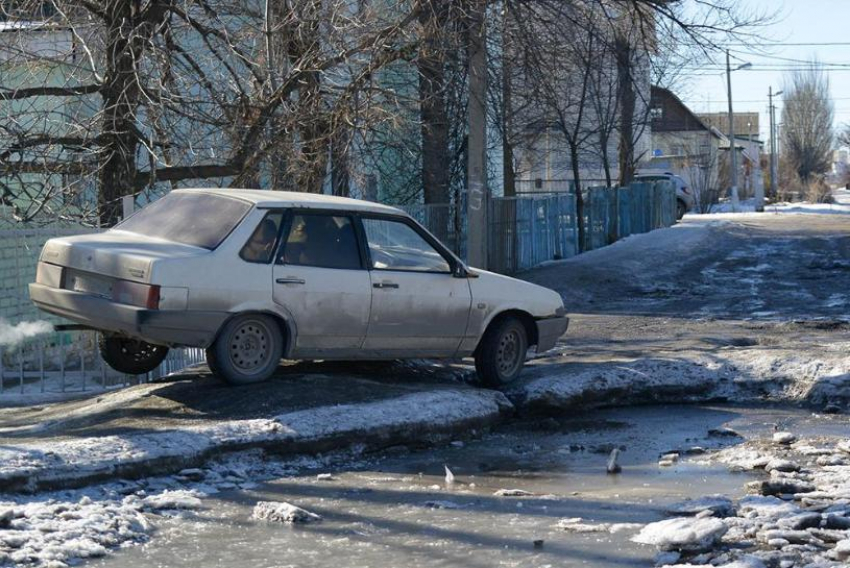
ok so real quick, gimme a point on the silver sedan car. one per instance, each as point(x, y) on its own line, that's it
point(257, 276)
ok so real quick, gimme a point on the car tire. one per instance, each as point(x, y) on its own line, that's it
point(681, 209)
point(247, 350)
point(501, 354)
point(131, 356)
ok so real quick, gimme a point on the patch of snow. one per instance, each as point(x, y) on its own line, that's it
point(683, 534)
point(576, 525)
point(283, 513)
point(513, 493)
point(784, 438)
point(89, 457)
point(177, 499)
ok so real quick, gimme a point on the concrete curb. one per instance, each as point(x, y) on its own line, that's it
point(753, 375)
point(414, 419)
point(638, 382)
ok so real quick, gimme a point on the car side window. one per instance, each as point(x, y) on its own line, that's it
point(321, 240)
point(394, 245)
point(263, 242)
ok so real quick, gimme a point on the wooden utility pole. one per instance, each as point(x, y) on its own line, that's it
point(477, 204)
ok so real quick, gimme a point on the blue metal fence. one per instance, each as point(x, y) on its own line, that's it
point(611, 214)
point(527, 230)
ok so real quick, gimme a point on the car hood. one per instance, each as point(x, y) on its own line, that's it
point(114, 253)
point(504, 292)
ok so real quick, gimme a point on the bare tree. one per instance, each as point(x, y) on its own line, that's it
point(807, 116)
point(131, 95)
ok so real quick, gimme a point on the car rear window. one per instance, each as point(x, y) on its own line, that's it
point(198, 219)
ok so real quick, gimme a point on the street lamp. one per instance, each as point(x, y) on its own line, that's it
point(733, 157)
point(772, 114)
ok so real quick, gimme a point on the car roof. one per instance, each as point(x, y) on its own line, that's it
point(264, 198)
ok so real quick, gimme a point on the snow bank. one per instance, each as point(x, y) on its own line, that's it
point(283, 513)
point(69, 462)
point(683, 534)
point(640, 381)
point(740, 374)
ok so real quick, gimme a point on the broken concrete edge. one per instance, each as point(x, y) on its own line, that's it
point(417, 419)
point(676, 381)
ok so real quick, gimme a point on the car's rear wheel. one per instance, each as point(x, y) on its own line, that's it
point(248, 349)
point(501, 354)
point(131, 356)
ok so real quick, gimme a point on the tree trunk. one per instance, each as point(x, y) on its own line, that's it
point(579, 198)
point(606, 159)
point(314, 131)
point(340, 175)
point(117, 168)
point(626, 97)
point(433, 114)
point(508, 173)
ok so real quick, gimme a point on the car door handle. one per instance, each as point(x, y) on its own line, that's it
point(384, 285)
point(290, 280)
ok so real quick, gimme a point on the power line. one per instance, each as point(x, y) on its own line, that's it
point(759, 100)
point(793, 44)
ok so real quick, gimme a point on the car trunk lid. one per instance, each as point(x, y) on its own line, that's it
point(116, 254)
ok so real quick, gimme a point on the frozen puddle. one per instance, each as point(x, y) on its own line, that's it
point(401, 511)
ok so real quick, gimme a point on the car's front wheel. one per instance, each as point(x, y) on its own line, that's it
point(501, 354)
point(681, 209)
point(248, 349)
point(131, 356)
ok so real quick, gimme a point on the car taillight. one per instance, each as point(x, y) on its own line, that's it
point(50, 275)
point(685, 189)
point(135, 294)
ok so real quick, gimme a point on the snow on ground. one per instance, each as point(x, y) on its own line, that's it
point(841, 206)
point(59, 528)
point(774, 526)
point(739, 374)
point(85, 458)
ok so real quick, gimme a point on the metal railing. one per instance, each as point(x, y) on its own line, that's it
point(70, 362)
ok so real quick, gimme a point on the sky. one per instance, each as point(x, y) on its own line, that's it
point(797, 22)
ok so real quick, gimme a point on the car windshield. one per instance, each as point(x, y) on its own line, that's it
point(198, 219)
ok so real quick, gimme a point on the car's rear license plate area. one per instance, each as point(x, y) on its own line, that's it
point(89, 283)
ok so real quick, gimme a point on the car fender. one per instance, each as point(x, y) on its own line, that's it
point(274, 310)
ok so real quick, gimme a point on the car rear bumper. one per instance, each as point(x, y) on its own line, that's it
point(168, 327)
point(549, 330)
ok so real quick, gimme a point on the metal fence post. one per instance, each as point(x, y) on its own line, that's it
point(41, 363)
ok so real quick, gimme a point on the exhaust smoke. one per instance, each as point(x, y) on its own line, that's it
point(12, 335)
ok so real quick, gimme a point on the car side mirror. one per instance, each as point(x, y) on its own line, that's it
point(462, 271)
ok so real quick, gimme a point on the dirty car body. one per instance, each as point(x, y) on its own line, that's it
point(303, 276)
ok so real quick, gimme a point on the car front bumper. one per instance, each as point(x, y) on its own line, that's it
point(174, 328)
point(549, 330)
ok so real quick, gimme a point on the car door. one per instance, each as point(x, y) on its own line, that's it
point(419, 308)
point(321, 280)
